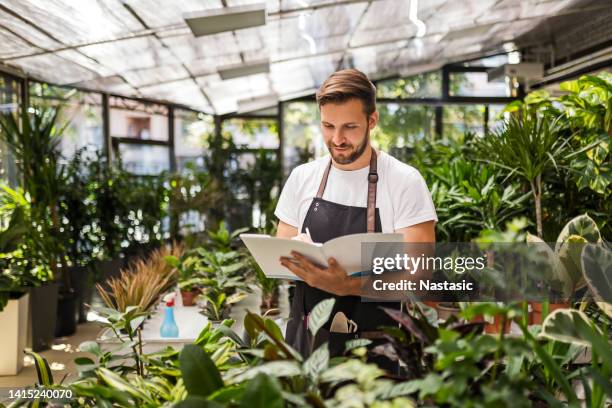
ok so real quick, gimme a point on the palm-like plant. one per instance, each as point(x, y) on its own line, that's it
point(528, 146)
point(33, 138)
point(470, 197)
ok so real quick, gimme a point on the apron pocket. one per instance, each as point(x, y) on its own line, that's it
point(336, 341)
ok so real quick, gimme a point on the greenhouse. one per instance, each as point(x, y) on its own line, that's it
point(305, 203)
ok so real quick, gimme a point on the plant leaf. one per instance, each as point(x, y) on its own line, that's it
point(200, 374)
point(320, 315)
point(263, 391)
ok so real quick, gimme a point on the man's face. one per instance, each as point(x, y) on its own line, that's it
point(346, 129)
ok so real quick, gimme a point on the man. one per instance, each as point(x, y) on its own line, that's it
point(356, 190)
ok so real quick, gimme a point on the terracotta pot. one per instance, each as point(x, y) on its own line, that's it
point(189, 296)
point(446, 310)
point(536, 310)
point(496, 326)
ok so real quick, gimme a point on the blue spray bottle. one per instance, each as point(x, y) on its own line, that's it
point(169, 327)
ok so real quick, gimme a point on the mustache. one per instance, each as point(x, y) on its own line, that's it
point(342, 146)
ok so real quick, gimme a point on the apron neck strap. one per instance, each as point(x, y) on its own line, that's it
point(372, 180)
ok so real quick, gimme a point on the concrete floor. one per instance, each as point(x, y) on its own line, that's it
point(60, 357)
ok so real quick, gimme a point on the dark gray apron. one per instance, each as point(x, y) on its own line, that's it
point(327, 220)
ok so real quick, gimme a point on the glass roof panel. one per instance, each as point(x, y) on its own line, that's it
point(84, 61)
point(75, 22)
point(26, 31)
point(206, 66)
point(161, 13)
point(104, 45)
point(53, 68)
point(188, 48)
point(11, 45)
point(232, 90)
point(112, 84)
point(185, 92)
point(155, 75)
point(120, 55)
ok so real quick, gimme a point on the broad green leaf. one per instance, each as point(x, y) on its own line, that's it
point(263, 391)
point(90, 347)
point(352, 369)
point(227, 394)
point(597, 269)
point(197, 402)
point(569, 254)
point(115, 381)
point(200, 374)
point(320, 315)
point(565, 284)
point(563, 325)
point(354, 343)
point(283, 368)
point(583, 226)
point(317, 362)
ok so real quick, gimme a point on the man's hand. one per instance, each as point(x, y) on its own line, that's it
point(332, 279)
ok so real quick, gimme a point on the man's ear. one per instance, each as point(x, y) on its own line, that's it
point(373, 120)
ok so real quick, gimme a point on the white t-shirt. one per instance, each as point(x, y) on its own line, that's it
point(402, 196)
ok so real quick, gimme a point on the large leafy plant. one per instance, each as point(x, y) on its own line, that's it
point(469, 197)
point(33, 137)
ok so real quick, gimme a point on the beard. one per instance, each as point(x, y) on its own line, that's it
point(352, 153)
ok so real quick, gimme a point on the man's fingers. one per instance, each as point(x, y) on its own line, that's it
point(296, 269)
point(305, 263)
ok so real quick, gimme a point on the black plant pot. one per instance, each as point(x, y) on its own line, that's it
point(81, 279)
point(66, 314)
point(43, 314)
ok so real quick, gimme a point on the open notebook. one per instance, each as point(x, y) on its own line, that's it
point(346, 249)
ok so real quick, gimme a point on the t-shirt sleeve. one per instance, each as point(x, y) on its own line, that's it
point(287, 206)
point(412, 201)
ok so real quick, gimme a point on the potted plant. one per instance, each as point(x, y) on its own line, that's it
point(189, 279)
point(269, 291)
point(218, 304)
point(565, 261)
point(223, 281)
point(529, 146)
point(14, 279)
point(33, 139)
point(107, 185)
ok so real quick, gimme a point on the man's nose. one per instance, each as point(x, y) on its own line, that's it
point(338, 138)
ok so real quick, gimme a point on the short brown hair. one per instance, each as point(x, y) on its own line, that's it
point(347, 84)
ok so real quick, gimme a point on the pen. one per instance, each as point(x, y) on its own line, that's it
point(308, 233)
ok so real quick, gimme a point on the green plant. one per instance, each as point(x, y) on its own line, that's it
point(33, 139)
point(584, 115)
point(222, 239)
point(76, 211)
point(529, 146)
point(218, 303)
point(142, 283)
point(468, 198)
point(187, 267)
point(190, 190)
point(24, 246)
point(108, 187)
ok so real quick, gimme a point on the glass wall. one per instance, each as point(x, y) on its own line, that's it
point(302, 140)
point(459, 119)
point(139, 131)
point(10, 98)
point(428, 85)
point(191, 133)
point(80, 113)
point(402, 124)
